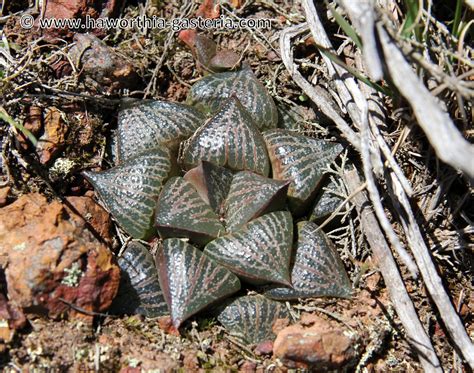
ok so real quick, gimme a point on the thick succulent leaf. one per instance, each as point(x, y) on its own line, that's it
point(230, 139)
point(260, 252)
point(317, 271)
point(290, 117)
point(139, 291)
point(181, 212)
point(251, 318)
point(190, 280)
point(251, 196)
point(151, 124)
point(210, 92)
point(130, 189)
point(212, 183)
point(326, 202)
point(302, 160)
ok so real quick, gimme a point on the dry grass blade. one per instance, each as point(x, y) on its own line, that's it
point(450, 146)
point(393, 280)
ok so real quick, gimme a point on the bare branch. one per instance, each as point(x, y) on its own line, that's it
point(417, 336)
point(362, 17)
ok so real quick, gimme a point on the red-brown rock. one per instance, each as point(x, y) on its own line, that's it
point(248, 367)
point(33, 123)
point(101, 64)
point(54, 136)
point(323, 346)
point(264, 348)
point(95, 215)
point(54, 265)
point(11, 319)
point(69, 9)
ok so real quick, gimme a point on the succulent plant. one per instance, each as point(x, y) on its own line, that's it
point(209, 93)
point(230, 138)
point(230, 217)
point(190, 280)
point(251, 318)
point(139, 290)
point(152, 124)
point(129, 190)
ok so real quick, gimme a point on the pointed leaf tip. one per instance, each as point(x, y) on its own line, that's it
point(148, 125)
point(251, 318)
point(212, 183)
point(230, 139)
point(139, 291)
point(260, 252)
point(130, 189)
point(181, 212)
point(301, 159)
point(190, 280)
point(210, 92)
point(251, 196)
point(317, 271)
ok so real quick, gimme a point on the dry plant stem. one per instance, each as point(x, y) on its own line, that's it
point(347, 88)
point(341, 78)
point(316, 94)
point(377, 200)
point(394, 282)
point(430, 275)
point(450, 146)
point(362, 17)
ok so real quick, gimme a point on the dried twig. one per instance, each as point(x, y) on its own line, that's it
point(430, 276)
point(316, 94)
point(450, 146)
point(362, 17)
point(393, 280)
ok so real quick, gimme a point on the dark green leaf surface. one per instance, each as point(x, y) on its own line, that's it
point(251, 318)
point(318, 270)
point(212, 183)
point(181, 212)
point(251, 196)
point(302, 160)
point(327, 201)
point(130, 190)
point(210, 92)
point(139, 291)
point(230, 139)
point(260, 252)
point(151, 124)
point(190, 280)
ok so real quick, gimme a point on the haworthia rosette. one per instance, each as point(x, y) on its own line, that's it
point(152, 124)
point(211, 91)
point(251, 318)
point(130, 189)
point(181, 212)
point(317, 271)
point(212, 183)
point(302, 160)
point(251, 196)
point(260, 252)
point(190, 280)
point(139, 291)
point(230, 139)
